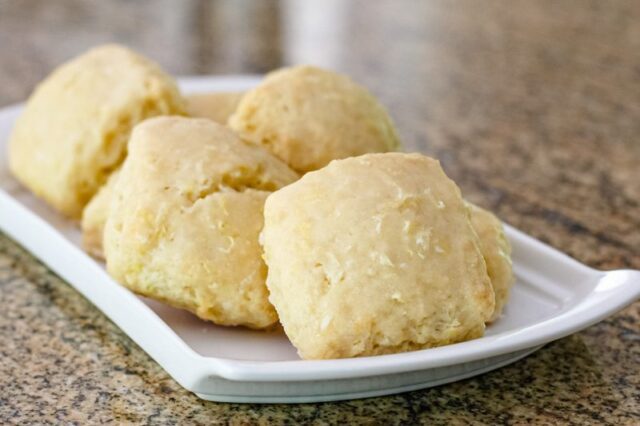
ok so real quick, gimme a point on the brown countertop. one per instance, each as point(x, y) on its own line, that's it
point(532, 107)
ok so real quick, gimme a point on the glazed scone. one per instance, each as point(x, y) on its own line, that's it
point(496, 251)
point(94, 217)
point(308, 116)
point(214, 106)
point(372, 255)
point(185, 216)
point(74, 129)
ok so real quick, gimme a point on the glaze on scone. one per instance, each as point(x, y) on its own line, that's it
point(74, 129)
point(185, 217)
point(308, 116)
point(372, 255)
point(496, 251)
point(214, 106)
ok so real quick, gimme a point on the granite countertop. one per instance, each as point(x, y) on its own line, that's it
point(532, 107)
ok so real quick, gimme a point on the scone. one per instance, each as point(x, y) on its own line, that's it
point(74, 129)
point(214, 106)
point(185, 216)
point(372, 255)
point(94, 217)
point(496, 251)
point(308, 116)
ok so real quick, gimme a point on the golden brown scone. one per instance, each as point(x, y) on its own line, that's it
point(214, 106)
point(373, 255)
point(496, 251)
point(308, 116)
point(185, 216)
point(94, 217)
point(74, 129)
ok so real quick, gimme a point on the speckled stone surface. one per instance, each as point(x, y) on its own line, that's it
point(533, 108)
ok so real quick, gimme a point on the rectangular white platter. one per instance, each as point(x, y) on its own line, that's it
point(553, 297)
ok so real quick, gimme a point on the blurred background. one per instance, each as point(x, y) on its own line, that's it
point(532, 106)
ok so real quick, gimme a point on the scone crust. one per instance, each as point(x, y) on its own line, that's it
point(74, 129)
point(373, 255)
point(308, 116)
point(214, 106)
point(496, 251)
point(94, 218)
point(185, 218)
point(217, 106)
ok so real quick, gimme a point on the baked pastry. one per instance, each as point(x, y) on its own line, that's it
point(308, 116)
point(185, 216)
point(214, 106)
point(94, 217)
point(372, 255)
point(74, 129)
point(496, 251)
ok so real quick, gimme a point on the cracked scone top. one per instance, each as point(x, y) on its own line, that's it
point(74, 129)
point(372, 255)
point(185, 217)
point(214, 106)
point(308, 116)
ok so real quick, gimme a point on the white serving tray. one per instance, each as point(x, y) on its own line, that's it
point(554, 296)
